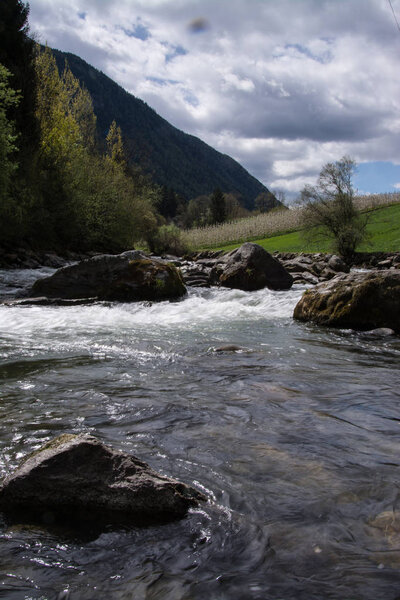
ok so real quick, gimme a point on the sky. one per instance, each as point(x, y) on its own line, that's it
point(282, 86)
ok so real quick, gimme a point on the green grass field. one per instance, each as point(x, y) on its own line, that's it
point(383, 231)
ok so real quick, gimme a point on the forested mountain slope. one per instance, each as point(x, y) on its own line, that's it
point(173, 158)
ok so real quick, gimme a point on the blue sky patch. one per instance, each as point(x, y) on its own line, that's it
point(175, 51)
point(139, 31)
point(82, 15)
point(191, 98)
point(322, 58)
point(376, 177)
point(161, 81)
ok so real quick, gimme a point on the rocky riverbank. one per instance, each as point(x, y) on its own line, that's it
point(197, 267)
point(27, 258)
point(203, 269)
point(134, 276)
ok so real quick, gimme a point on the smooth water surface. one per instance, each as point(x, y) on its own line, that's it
point(294, 439)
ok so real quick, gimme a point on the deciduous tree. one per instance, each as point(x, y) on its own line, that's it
point(115, 146)
point(329, 209)
point(265, 202)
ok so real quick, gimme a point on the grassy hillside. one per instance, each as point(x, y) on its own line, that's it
point(172, 157)
point(383, 230)
point(267, 225)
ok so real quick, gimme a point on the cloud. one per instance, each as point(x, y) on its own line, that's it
point(282, 87)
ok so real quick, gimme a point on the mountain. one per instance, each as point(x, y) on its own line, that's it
point(170, 156)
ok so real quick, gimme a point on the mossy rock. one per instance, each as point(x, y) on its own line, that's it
point(361, 301)
point(147, 279)
point(124, 277)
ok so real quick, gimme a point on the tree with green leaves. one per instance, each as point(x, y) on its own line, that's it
point(217, 206)
point(265, 202)
point(60, 135)
point(75, 196)
point(115, 146)
point(8, 150)
point(197, 212)
point(168, 203)
point(56, 217)
point(329, 210)
point(17, 54)
point(8, 98)
point(90, 200)
point(80, 105)
point(233, 207)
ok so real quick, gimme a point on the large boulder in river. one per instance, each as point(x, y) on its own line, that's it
point(77, 477)
point(250, 267)
point(358, 300)
point(124, 277)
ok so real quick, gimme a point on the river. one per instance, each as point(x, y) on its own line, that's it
point(294, 439)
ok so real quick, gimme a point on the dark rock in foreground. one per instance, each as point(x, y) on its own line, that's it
point(362, 301)
point(78, 477)
point(124, 277)
point(250, 267)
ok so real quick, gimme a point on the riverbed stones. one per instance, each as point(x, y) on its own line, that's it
point(337, 264)
point(78, 477)
point(206, 268)
point(250, 267)
point(359, 300)
point(124, 277)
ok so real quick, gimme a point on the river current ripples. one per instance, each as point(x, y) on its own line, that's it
point(294, 438)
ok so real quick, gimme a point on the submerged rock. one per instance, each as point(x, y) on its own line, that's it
point(250, 267)
point(361, 301)
point(381, 332)
point(124, 277)
point(230, 348)
point(78, 477)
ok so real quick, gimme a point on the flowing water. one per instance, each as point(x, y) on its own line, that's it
point(294, 439)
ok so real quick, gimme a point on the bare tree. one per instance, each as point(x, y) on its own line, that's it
point(329, 210)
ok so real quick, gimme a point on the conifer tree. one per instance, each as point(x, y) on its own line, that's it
point(217, 205)
point(168, 203)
